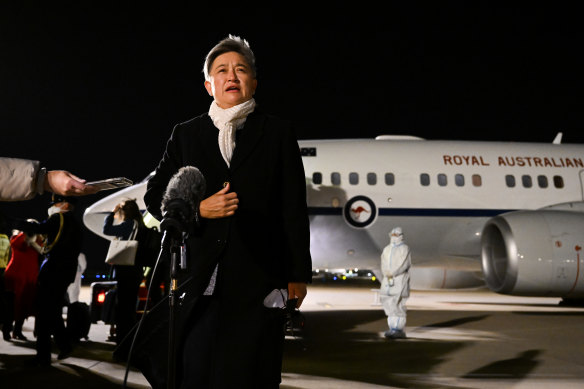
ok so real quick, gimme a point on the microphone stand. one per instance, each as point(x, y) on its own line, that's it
point(175, 226)
point(175, 265)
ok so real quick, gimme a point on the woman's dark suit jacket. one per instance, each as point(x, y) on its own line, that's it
point(266, 243)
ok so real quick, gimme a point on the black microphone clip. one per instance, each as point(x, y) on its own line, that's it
point(176, 218)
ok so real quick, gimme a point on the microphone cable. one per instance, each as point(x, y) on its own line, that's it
point(152, 278)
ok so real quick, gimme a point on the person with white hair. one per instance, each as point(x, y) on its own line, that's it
point(395, 285)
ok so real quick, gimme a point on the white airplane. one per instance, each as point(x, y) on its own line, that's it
point(505, 214)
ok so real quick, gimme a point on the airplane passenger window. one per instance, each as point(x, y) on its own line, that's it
point(372, 178)
point(477, 180)
point(510, 180)
point(526, 180)
point(424, 179)
point(542, 181)
point(317, 178)
point(389, 179)
point(336, 178)
point(459, 180)
point(353, 178)
point(558, 182)
point(442, 181)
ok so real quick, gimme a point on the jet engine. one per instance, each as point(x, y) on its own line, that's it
point(535, 253)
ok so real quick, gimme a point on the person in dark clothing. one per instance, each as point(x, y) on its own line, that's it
point(253, 238)
point(57, 271)
point(128, 277)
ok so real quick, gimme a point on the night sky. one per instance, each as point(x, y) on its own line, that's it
point(97, 91)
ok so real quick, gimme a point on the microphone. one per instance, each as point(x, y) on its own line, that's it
point(180, 202)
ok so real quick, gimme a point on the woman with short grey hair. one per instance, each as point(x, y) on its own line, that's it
point(231, 43)
point(253, 240)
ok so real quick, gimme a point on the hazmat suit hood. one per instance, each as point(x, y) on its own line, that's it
point(396, 236)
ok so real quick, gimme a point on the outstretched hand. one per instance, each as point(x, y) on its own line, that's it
point(63, 183)
point(221, 204)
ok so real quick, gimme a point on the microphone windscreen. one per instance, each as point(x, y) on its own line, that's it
point(187, 184)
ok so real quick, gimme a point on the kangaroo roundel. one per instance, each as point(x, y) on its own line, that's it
point(360, 211)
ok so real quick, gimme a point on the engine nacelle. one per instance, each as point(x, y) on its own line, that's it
point(535, 253)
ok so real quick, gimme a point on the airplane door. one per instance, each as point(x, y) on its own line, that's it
point(582, 183)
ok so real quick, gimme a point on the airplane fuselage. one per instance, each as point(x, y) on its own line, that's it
point(444, 195)
point(440, 192)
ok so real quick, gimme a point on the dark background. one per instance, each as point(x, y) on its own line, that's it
point(97, 90)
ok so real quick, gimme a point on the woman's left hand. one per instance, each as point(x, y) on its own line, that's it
point(221, 204)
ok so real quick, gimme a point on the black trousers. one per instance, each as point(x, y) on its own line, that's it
point(49, 318)
point(10, 321)
point(129, 279)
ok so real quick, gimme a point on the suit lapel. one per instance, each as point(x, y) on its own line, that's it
point(252, 132)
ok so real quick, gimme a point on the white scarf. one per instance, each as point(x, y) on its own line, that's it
point(228, 121)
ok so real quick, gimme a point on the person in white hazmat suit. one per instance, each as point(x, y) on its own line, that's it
point(395, 285)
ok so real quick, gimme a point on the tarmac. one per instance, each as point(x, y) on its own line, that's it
point(455, 339)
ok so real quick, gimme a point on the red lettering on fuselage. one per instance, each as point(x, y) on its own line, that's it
point(466, 160)
point(516, 161)
point(539, 161)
